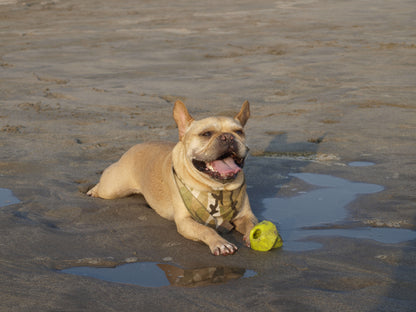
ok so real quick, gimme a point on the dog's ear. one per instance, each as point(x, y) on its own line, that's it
point(244, 113)
point(182, 118)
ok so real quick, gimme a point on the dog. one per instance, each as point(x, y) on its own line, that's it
point(198, 182)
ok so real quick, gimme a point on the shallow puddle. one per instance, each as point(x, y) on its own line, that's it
point(316, 212)
point(152, 274)
point(361, 164)
point(7, 198)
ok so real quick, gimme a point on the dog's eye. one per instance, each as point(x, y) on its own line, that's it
point(239, 132)
point(206, 134)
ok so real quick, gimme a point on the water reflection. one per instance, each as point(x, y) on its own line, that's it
point(361, 164)
point(204, 276)
point(304, 215)
point(7, 198)
point(152, 274)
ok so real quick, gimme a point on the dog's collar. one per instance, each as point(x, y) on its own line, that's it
point(215, 209)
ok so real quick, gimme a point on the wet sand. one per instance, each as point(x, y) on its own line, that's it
point(329, 82)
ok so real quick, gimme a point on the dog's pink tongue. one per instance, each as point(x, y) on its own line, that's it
point(225, 166)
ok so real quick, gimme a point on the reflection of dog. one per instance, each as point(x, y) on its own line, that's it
point(198, 183)
point(200, 277)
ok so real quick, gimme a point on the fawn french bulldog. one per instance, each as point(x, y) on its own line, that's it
point(198, 182)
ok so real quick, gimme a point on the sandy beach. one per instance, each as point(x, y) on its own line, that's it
point(332, 151)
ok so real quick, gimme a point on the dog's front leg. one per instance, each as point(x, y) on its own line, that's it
point(195, 231)
point(245, 221)
point(244, 226)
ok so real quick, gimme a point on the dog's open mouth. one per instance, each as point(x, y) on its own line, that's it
point(224, 168)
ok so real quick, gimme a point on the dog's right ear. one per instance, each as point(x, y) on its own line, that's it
point(182, 118)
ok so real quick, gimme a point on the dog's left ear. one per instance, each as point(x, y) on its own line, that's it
point(244, 113)
point(182, 118)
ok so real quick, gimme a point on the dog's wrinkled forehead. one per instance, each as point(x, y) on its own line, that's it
point(214, 124)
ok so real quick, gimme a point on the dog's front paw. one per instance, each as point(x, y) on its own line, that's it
point(223, 248)
point(246, 240)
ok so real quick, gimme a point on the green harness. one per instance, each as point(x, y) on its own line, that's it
point(215, 209)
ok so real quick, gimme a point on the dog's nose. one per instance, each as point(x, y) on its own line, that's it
point(227, 138)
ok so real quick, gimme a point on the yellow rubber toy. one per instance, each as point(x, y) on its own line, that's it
point(264, 236)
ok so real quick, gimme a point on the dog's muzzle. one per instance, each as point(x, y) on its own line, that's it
point(227, 166)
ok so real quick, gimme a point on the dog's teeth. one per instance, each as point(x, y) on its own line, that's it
point(209, 166)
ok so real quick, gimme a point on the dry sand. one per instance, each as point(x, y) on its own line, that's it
point(82, 81)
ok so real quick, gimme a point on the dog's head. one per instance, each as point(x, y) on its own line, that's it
point(214, 147)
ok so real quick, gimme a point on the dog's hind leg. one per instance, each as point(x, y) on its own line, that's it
point(115, 182)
